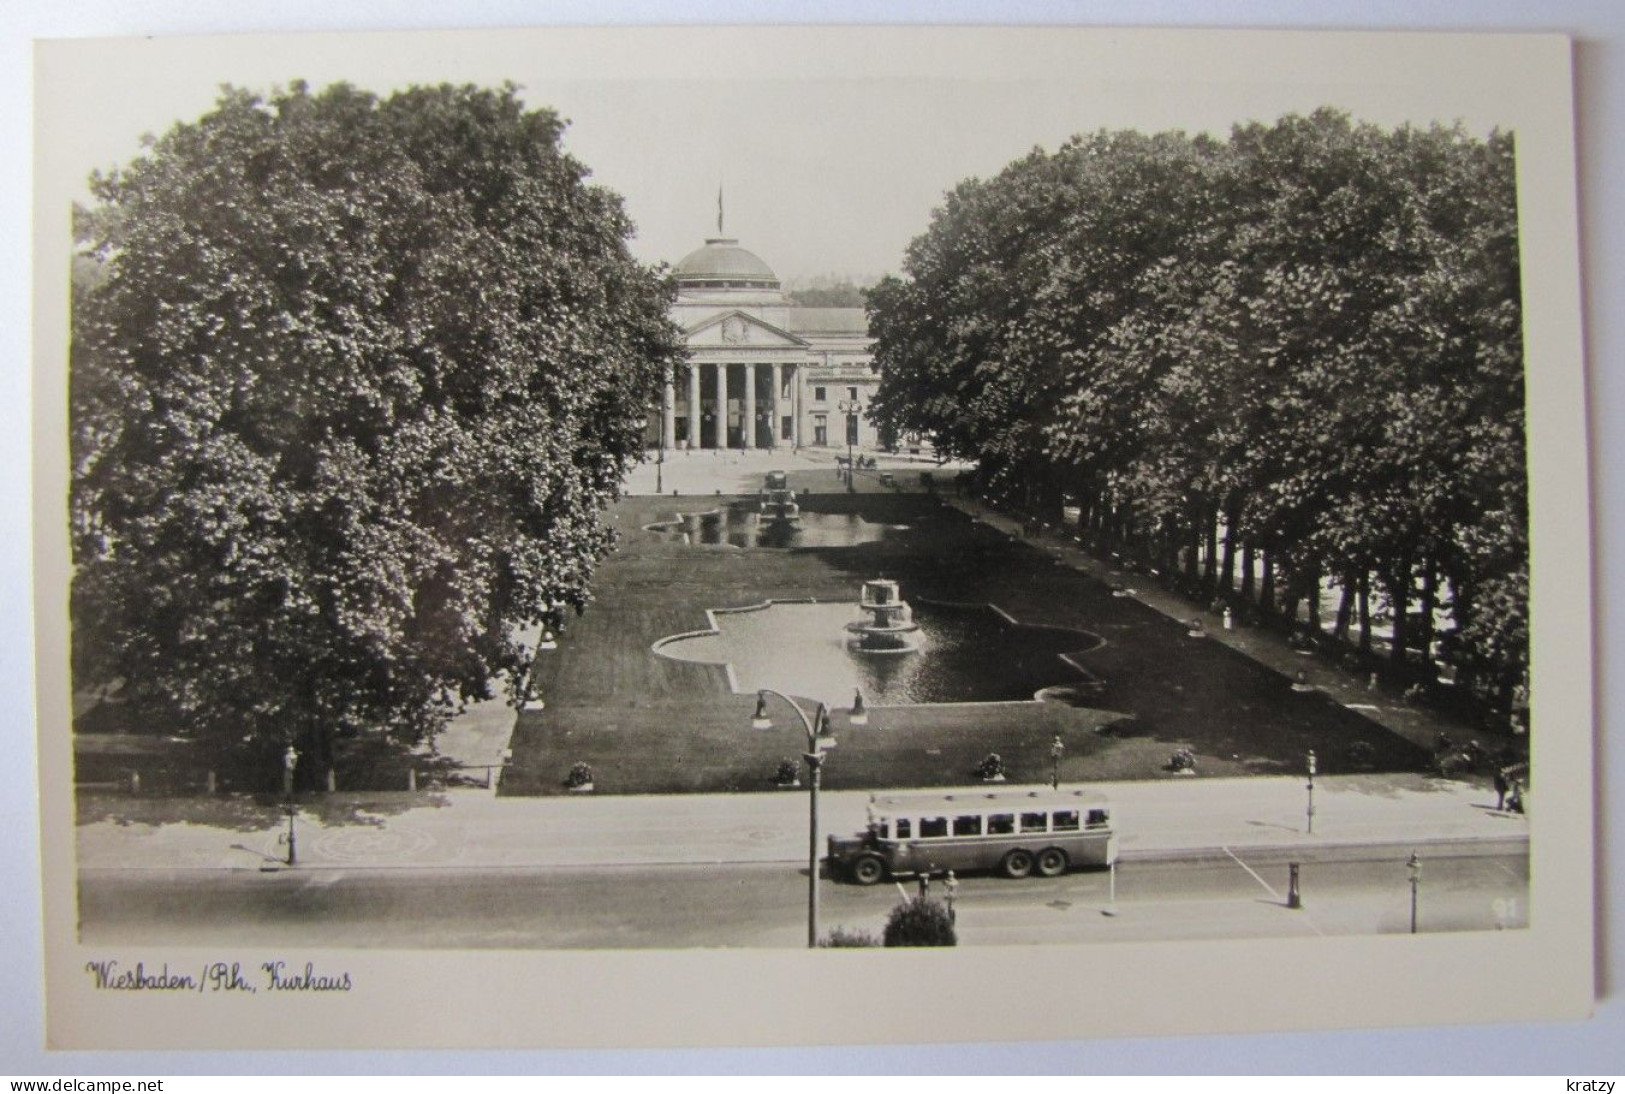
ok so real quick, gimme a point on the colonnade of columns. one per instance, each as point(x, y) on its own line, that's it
point(778, 406)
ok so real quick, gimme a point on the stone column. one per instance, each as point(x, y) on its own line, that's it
point(693, 405)
point(748, 426)
point(773, 439)
point(668, 412)
point(795, 405)
point(722, 407)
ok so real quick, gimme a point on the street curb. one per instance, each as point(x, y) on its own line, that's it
point(1456, 846)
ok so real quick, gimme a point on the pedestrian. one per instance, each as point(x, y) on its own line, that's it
point(951, 885)
point(1501, 788)
point(925, 884)
point(1515, 797)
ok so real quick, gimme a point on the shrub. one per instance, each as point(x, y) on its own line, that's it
point(1183, 759)
point(788, 773)
point(991, 767)
point(920, 922)
point(847, 938)
point(1362, 755)
point(580, 775)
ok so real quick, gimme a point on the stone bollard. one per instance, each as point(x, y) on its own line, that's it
point(210, 782)
point(412, 779)
point(135, 782)
point(1294, 899)
point(332, 780)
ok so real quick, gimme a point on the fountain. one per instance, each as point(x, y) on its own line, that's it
point(890, 626)
point(777, 502)
point(779, 506)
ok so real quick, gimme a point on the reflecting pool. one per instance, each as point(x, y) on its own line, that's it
point(967, 653)
point(740, 525)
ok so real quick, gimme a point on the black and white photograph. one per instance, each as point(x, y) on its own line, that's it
point(614, 516)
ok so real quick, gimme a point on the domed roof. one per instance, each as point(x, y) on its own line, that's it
point(722, 260)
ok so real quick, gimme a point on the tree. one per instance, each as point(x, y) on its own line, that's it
point(1308, 336)
point(351, 390)
point(919, 922)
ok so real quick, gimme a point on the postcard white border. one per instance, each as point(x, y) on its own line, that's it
point(650, 998)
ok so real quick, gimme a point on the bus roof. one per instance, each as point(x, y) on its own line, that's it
point(986, 799)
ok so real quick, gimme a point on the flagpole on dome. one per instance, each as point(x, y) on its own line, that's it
point(719, 209)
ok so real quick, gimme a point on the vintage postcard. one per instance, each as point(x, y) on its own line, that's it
point(719, 536)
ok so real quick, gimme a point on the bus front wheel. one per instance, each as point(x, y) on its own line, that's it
point(867, 870)
point(1018, 863)
point(1052, 862)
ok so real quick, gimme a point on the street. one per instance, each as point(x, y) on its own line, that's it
point(1344, 891)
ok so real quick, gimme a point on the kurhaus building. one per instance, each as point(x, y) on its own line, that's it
point(763, 372)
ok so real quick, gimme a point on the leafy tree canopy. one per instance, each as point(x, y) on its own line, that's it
point(350, 389)
point(1308, 334)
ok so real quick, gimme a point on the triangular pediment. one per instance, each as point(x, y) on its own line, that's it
point(740, 329)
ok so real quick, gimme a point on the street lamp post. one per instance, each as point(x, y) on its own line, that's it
point(1056, 750)
point(851, 408)
point(819, 738)
point(1413, 866)
point(289, 759)
point(660, 460)
point(1311, 812)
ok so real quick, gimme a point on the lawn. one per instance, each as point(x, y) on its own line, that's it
point(650, 724)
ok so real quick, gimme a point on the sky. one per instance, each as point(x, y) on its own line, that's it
point(831, 148)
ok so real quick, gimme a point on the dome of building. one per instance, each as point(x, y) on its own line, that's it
point(723, 263)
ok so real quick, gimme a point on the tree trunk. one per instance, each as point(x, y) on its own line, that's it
point(1210, 564)
point(1227, 577)
point(1289, 600)
point(1430, 598)
point(1399, 593)
point(1365, 611)
point(1345, 608)
point(1246, 572)
point(1266, 586)
point(1193, 542)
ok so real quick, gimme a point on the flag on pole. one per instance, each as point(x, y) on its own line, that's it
point(719, 209)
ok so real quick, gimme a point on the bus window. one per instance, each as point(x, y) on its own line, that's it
point(1097, 818)
point(1066, 820)
point(968, 824)
point(905, 828)
point(1035, 822)
point(1001, 824)
point(933, 827)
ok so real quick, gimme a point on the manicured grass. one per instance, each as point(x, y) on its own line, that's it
point(649, 724)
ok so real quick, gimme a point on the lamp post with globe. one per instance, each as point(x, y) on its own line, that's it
point(290, 759)
point(819, 739)
point(852, 408)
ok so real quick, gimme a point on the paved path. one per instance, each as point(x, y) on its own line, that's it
point(466, 829)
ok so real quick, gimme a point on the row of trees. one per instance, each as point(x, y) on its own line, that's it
point(1294, 354)
point(352, 382)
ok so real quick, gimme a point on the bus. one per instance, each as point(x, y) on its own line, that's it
point(1019, 833)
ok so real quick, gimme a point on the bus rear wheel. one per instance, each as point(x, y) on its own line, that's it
point(1052, 862)
point(1017, 864)
point(867, 869)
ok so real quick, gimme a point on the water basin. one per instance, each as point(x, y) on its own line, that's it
point(740, 525)
point(965, 653)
